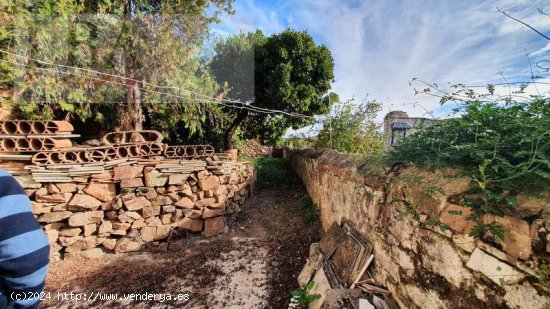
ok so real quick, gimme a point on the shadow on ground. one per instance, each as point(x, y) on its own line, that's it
point(253, 265)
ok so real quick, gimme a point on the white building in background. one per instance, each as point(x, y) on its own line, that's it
point(398, 125)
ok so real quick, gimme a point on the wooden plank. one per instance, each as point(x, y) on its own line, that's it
point(367, 263)
point(39, 135)
point(373, 289)
point(15, 157)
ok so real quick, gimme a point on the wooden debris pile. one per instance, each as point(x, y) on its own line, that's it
point(339, 268)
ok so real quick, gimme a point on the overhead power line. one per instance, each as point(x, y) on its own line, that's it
point(206, 98)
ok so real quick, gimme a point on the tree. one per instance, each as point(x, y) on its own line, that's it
point(353, 129)
point(290, 73)
point(147, 42)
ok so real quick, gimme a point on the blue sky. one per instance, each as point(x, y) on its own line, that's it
point(380, 45)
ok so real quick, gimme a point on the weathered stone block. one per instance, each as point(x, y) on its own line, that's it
point(207, 202)
point(214, 226)
point(127, 172)
point(210, 212)
point(105, 228)
point(126, 245)
point(455, 216)
point(89, 229)
point(67, 241)
point(137, 203)
point(166, 218)
point(70, 232)
point(148, 233)
point(168, 209)
point(185, 203)
point(131, 183)
point(164, 200)
point(139, 223)
point(177, 179)
point(492, 268)
point(53, 198)
point(517, 236)
point(211, 182)
point(189, 224)
point(83, 218)
point(83, 202)
point(163, 231)
point(109, 243)
point(102, 191)
point(66, 187)
point(55, 216)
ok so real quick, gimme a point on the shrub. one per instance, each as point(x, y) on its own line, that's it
point(352, 129)
point(504, 148)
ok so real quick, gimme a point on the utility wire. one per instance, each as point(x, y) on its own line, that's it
point(243, 105)
point(192, 99)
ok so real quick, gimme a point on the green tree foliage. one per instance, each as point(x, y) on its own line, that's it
point(288, 72)
point(353, 129)
point(152, 41)
point(504, 147)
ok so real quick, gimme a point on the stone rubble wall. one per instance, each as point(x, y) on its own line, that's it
point(425, 267)
point(142, 206)
point(255, 149)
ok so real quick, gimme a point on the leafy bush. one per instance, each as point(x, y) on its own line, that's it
point(504, 148)
point(500, 146)
point(352, 129)
point(298, 142)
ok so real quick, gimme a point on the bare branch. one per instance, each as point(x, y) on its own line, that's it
point(524, 23)
point(532, 75)
point(543, 12)
point(507, 83)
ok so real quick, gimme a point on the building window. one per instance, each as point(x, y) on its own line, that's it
point(398, 132)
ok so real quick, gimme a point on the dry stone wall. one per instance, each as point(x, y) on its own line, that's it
point(139, 205)
point(255, 149)
point(426, 267)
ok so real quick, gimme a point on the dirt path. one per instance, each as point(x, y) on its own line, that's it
point(253, 265)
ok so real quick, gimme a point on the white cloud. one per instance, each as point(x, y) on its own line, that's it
point(380, 45)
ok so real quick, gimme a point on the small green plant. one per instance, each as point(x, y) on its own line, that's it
point(301, 297)
point(542, 276)
point(481, 228)
point(433, 188)
point(310, 208)
point(410, 210)
point(430, 223)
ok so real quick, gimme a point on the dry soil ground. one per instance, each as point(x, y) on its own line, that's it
point(253, 265)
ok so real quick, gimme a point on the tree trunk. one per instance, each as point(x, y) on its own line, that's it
point(131, 116)
point(231, 130)
point(135, 110)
